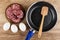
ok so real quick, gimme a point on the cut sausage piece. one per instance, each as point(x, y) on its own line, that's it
point(15, 13)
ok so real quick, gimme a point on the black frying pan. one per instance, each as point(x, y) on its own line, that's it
point(34, 17)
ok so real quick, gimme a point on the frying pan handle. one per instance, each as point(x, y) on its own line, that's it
point(30, 34)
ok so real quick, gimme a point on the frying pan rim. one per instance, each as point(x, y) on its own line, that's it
point(28, 11)
point(27, 15)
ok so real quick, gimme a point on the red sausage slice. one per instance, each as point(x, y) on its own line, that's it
point(14, 13)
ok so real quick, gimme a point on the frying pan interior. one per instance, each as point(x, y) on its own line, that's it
point(34, 16)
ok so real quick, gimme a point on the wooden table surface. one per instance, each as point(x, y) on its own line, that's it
point(53, 34)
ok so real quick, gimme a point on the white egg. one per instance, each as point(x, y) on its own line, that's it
point(14, 28)
point(22, 27)
point(6, 26)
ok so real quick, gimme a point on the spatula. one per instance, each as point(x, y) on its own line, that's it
point(44, 12)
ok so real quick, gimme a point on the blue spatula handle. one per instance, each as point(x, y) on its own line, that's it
point(30, 34)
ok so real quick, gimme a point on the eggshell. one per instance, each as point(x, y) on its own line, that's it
point(6, 26)
point(14, 28)
point(22, 27)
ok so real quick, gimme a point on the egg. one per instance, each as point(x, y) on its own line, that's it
point(6, 26)
point(22, 27)
point(14, 28)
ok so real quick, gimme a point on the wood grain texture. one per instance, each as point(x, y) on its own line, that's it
point(53, 34)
